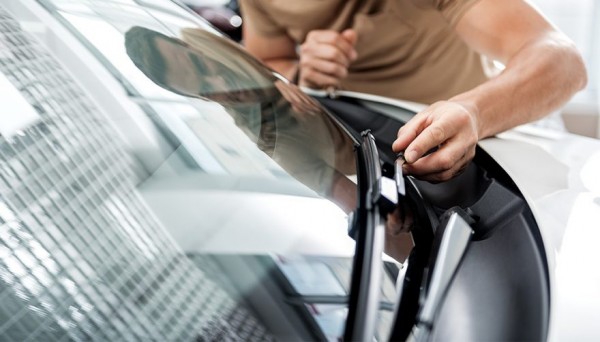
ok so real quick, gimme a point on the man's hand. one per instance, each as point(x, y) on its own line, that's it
point(325, 57)
point(452, 128)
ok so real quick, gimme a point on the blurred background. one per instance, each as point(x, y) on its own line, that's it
point(579, 20)
point(575, 18)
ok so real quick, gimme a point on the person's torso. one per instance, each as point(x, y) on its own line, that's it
point(404, 51)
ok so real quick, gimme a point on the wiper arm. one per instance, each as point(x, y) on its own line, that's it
point(453, 237)
point(377, 194)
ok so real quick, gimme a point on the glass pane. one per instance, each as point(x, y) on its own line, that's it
point(180, 215)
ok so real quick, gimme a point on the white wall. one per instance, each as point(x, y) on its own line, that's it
point(579, 20)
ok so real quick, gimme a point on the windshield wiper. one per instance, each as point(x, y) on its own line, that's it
point(377, 194)
point(451, 241)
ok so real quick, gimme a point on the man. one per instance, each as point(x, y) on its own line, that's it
point(427, 51)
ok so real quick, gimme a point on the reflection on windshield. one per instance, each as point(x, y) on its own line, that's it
point(285, 124)
point(111, 228)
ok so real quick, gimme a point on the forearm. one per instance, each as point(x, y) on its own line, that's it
point(277, 52)
point(543, 70)
point(287, 67)
point(538, 79)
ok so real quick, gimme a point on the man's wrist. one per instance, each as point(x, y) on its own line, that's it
point(471, 107)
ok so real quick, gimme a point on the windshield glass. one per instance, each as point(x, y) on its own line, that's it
point(214, 207)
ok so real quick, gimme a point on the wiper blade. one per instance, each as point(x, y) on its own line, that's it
point(367, 269)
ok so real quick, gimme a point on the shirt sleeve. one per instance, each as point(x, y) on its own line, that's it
point(256, 11)
point(453, 10)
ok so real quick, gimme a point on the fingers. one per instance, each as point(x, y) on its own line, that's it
point(321, 72)
point(344, 41)
point(409, 132)
point(447, 126)
point(351, 37)
point(444, 164)
point(423, 133)
point(325, 57)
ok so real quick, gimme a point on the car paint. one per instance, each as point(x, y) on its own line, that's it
point(559, 174)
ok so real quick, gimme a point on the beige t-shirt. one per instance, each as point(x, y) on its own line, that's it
point(407, 49)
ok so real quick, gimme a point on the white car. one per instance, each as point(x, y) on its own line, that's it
point(199, 196)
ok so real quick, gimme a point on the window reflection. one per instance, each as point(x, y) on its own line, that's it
point(288, 126)
point(95, 257)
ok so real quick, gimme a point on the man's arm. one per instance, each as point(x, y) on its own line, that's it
point(323, 59)
point(543, 71)
point(278, 52)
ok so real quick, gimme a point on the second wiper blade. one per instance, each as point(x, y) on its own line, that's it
point(399, 174)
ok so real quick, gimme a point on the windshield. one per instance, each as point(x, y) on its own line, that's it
point(214, 207)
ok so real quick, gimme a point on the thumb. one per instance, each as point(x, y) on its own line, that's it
point(351, 37)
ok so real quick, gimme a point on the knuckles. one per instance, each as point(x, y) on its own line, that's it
point(437, 134)
point(446, 162)
point(318, 35)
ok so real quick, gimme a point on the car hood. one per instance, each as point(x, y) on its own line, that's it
point(557, 173)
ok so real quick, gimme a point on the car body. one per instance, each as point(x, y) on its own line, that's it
point(133, 208)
